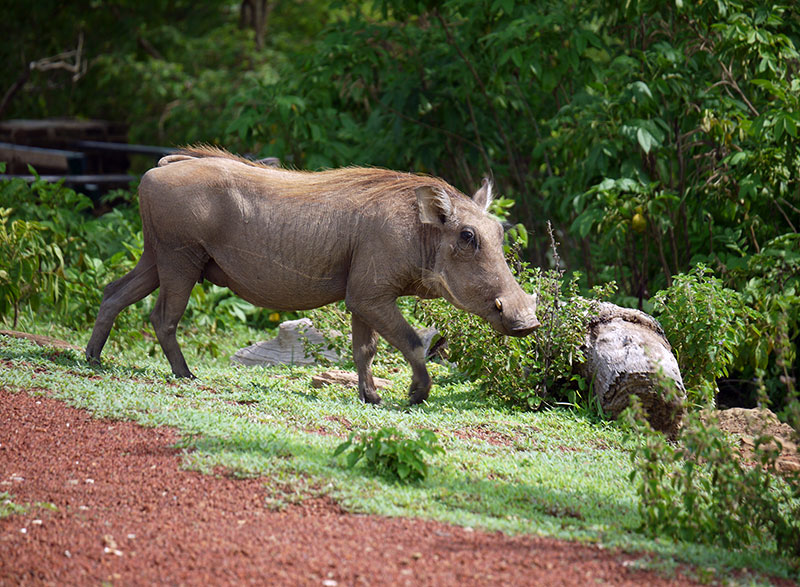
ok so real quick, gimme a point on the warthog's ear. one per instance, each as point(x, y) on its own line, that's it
point(434, 205)
point(483, 197)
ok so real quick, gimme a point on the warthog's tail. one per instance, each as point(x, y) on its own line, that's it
point(201, 151)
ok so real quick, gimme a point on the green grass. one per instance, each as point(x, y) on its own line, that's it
point(556, 473)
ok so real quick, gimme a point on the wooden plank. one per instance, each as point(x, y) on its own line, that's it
point(59, 132)
point(57, 159)
point(76, 179)
point(130, 149)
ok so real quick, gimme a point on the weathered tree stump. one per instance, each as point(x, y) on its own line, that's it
point(628, 354)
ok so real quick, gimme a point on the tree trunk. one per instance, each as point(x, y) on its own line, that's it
point(255, 14)
point(628, 354)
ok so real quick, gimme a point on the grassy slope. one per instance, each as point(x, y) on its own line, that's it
point(555, 473)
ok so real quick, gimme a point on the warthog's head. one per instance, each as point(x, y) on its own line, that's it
point(470, 270)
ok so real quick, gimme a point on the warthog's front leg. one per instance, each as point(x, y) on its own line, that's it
point(365, 343)
point(386, 319)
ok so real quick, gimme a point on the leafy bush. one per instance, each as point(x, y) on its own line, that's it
point(77, 253)
point(28, 265)
point(706, 323)
point(698, 490)
point(390, 454)
point(771, 281)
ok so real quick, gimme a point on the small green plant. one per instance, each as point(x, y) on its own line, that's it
point(698, 490)
point(8, 507)
point(706, 323)
point(333, 322)
point(390, 454)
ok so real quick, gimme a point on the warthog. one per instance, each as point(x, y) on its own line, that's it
point(295, 240)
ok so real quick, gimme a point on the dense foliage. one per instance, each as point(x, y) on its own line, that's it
point(56, 255)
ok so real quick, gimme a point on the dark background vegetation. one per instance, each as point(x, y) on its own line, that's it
point(653, 135)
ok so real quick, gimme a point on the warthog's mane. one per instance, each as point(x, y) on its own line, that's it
point(367, 181)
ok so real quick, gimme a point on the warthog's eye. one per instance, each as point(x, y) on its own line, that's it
point(468, 236)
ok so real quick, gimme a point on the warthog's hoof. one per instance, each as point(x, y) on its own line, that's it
point(370, 398)
point(417, 396)
point(184, 375)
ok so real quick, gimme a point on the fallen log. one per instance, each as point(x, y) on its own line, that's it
point(346, 378)
point(626, 353)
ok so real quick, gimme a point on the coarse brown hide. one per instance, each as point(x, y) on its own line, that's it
point(295, 240)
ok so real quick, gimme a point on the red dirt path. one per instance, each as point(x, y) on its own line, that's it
point(127, 514)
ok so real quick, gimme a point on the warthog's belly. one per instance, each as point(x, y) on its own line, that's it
point(280, 287)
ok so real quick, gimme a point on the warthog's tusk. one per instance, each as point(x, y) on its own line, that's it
point(499, 304)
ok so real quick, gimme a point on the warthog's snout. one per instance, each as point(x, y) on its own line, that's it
point(519, 321)
point(523, 327)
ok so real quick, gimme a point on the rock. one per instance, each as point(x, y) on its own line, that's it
point(347, 378)
point(434, 344)
point(269, 161)
point(287, 348)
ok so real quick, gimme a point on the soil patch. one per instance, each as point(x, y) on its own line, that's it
point(124, 512)
point(749, 424)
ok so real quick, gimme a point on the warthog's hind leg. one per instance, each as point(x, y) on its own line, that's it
point(141, 281)
point(173, 296)
point(365, 343)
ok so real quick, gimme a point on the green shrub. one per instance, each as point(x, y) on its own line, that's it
point(29, 264)
point(698, 490)
point(706, 323)
point(75, 254)
point(390, 454)
point(771, 286)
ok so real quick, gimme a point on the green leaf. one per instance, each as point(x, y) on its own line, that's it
point(790, 124)
point(646, 140)
point(584, 223)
